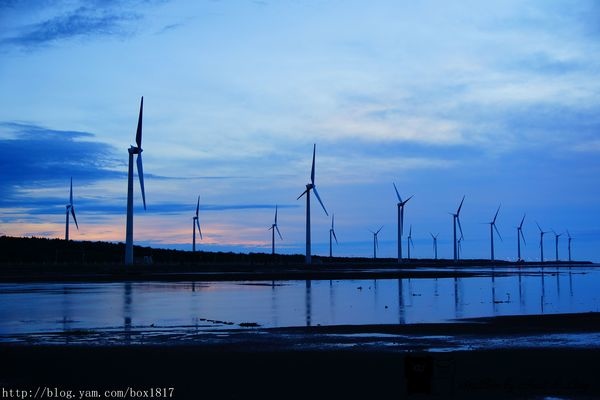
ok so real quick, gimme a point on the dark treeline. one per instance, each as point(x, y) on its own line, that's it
point(57, 255)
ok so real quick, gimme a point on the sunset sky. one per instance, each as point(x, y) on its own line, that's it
point(497, 100)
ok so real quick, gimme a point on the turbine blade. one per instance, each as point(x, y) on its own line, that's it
point(138, 135)
point(460, 206)
point(71, 193)
point(500, 236)
point(312, 171)
point(279, 233)
point(198, 225)
point(197, 206)
point(74, 218)
point(275, 215)
point(522, 236)
point(521, 224)
point(140, 170)
point(379, 229)
point(397, 194)
point(538, 225)
point(496, 216)
point(459, 227)
point(406, 201)
point(433, 237)
point(319, 198)
point(303, 193)
point(332, 216)
point(335, 237)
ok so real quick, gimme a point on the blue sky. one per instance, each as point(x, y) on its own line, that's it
point(498, 101)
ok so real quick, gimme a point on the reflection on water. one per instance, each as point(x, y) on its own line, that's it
point(128, 307)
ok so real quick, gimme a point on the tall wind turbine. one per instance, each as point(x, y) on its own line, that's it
point(541, 242)
point(310, 186)
point(196, 223)
point(70, 210)
point(556, 236)
point(434, 244)
point(569, 247)
point(140, 170)
point(409, 242)
point(273, 228)
point(492, 228)
point(400, 221)
point(375, 242)
point(331, 235)
point(455, 220)
point(519, 237)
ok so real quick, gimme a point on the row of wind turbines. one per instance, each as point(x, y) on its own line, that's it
point(310, 187)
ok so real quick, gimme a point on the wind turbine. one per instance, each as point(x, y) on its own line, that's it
point(273, 228)
point(331, 234)
point(134, 150)
point(375, 242)
point(196, 223)
point(541, 242)
point(455, 219)
point(569, 236)
point(519, 237)
point(409, 241)
point(556, 236)
point(492, 228)
point(400, 221)
point(310, 186)
point(71, 210)
point(434, 243)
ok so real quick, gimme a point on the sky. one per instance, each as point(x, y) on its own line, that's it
point(498, 101)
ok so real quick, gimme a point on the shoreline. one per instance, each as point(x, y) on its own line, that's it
point(296, 362)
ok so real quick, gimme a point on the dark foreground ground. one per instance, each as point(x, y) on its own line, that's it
point(367, 362)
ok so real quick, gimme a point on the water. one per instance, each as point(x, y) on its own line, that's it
point(41, 308)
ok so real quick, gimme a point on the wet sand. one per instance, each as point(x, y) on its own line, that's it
point(375, 361)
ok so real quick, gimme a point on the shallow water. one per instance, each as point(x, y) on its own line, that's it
point(38, 308)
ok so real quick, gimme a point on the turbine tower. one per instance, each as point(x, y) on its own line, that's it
point(274, 228)
point(134, 150)
point(409, 242)
point(455, 220)
point(569, 247)
point(70, 210)
point(400, 221)
point(196, 223)
point(310, 186)
point(331, 234)
point(519, 237)
point(375, 242)
point(541, 242)
point(556, 236)
point(434, 244)
point(492, 228)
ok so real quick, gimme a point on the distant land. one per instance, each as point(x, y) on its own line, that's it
point(49, 259)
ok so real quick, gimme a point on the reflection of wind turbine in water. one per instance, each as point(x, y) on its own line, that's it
point(274, 228)
point(409, 242)
point(519, 237)
point(492, 228)
point(127, 311)
point(310, 186)
point(542, 233)
point(308, 303)
point(332, 236)
point(70, 210)
point(134, 150)
point(196, 223)
point(375, 242)
point(556, 236)
point(456, 220)
point(434, 244)
point(401, 205)
point(401, 309)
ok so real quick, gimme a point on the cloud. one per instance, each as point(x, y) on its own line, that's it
point(37, 154)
